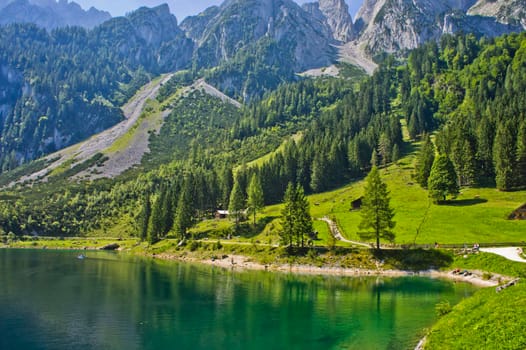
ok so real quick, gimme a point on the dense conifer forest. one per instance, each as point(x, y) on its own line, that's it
point(316, 133)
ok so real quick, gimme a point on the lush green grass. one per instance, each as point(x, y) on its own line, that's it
point(487, 320)
point(267, 157)
point(478, 214)
point(491, 263)
point(71, 243)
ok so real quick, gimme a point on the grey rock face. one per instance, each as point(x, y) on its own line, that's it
point(338, 18)
point(505, 11)
point(194, 26)
point(152, 37)
point(221, 32)
point(394, 25)
point(50, 14)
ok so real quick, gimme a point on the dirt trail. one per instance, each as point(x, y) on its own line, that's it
point(510, 253)
point(335, 231)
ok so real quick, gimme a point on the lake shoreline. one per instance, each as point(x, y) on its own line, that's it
point(241, 263)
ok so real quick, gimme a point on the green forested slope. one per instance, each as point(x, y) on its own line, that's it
point(442, 88)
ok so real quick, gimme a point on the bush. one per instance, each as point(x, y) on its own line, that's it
point(11, 237)
point(193, 246)
point(217, 245)
point(443, 308)
point(312, 254)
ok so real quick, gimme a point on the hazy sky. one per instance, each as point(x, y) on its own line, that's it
point(180, 8)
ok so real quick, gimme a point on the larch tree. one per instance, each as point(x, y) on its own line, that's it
point(256, 199)
point(377, 214)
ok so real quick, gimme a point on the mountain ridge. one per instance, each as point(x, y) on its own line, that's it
point(50, 14)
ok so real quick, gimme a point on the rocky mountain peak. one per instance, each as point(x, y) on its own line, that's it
point(338, 18)
point(394, 25)
point(221, 32)
point(50, 14)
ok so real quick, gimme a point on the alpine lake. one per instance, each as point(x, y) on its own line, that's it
point(54, 300)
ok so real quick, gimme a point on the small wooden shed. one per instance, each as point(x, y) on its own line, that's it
point(222, 214)
point(519, 214)
point(357, 204)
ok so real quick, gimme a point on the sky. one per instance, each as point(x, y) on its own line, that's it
point(180, 8)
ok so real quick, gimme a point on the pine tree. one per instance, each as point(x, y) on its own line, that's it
point(377, 215)
point(443, 180)
point(302, 218)
point(256, 198)
point(504, 157)
point(237, 201)
point(143, 219)
point(185, 211)
point(395, 155)
point(287, 216)
point(374, 158)
point(295, 217)
point(319, 173)
point(425, 161)
point(521, 157)
point(155, 223)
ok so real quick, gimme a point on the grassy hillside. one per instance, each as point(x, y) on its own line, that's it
point(477, 215)
point(487, 320)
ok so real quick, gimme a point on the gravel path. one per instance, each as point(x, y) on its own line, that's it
point(338, 235)
point(510, 253)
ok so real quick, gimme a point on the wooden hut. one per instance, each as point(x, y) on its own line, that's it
point(357, 204)
point(519, 214)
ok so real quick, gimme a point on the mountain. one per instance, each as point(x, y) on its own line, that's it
point(50, 14)
point(221, 32)
point(150, 37)
point(505, 11)
point(58, 88)
point(335, 13)
point(394, 25)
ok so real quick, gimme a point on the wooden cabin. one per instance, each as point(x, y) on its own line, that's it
point(357, 204)
point(519, 214)
point(222, 214)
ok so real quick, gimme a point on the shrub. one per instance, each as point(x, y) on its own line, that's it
point(443, 308)
point(193, 246)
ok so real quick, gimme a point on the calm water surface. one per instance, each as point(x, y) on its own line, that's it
point(52, 300)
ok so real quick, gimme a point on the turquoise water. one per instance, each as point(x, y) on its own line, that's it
point(52, 300)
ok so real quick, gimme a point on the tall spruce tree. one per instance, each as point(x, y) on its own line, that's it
point(521, 157)
point(255, 194)
point(184, 214)
point(143, 219)
point(295, 217)
point(155, 223)
point(287, 216)
point(425, 160)
point(237, 201)
point(443, 180)
point(302, 219)
point(504, 157)
point(377, 214)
